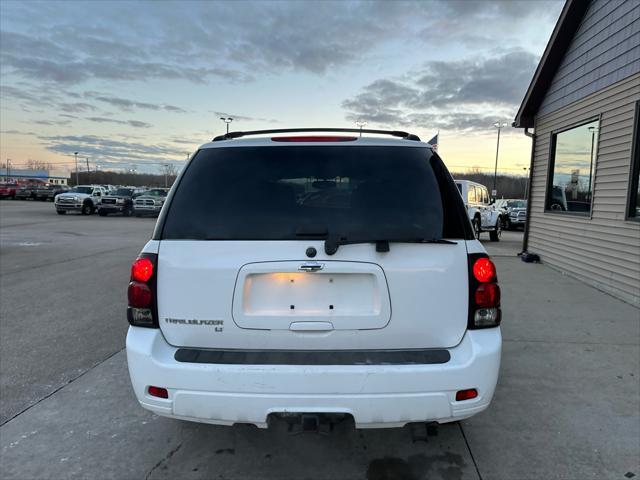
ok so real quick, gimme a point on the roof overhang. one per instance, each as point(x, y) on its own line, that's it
point(564, 31)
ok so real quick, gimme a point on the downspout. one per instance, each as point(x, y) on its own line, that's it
point(525, 239)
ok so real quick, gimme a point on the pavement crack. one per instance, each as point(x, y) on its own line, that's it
point(69, 382)
point(162, 460)
point(466, 442)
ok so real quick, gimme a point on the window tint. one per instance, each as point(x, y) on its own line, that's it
point(278, 193)
point(572, 168)
point(634, 184)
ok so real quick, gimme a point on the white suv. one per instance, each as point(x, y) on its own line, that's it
point(482, 212)
point(314, 276)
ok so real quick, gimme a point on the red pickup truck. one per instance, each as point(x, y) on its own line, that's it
point(8, 190)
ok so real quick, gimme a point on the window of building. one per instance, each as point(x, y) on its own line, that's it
point(634, 182)
point(572, 169)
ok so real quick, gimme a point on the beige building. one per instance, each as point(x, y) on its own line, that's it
point(582, 110)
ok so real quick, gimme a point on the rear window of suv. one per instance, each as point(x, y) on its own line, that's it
point(285, 193)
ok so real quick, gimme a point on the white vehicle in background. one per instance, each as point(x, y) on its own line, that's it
point(266, 290)
point(483, 214)
point(81, 198)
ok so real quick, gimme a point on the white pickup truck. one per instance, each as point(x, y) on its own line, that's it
point(484, 216)
point(82, 198)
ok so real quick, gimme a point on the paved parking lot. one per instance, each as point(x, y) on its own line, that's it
point(567, 404)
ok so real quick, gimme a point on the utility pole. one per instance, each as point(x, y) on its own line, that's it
point(499, 126)
point(8, 168)
point(166, 170)
point(75, 154)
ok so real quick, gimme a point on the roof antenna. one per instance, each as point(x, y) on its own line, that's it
point(361, 123)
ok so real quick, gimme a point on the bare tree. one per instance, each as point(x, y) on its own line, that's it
point(39, 165)
point(169, 170)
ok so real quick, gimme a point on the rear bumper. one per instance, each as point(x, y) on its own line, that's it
point(375, 395)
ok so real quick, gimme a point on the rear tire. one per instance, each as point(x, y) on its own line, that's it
point(476, 227)
point(494, 235)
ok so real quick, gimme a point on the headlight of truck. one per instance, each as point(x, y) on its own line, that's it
point(120, 200)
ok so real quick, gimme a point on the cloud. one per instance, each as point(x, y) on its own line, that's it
point(16, 132)
point(131, 123)
point(51, 122)
point(129, 105)
point(468, 94)
point(243, 118)
point(76, 107)
point(200, 41)
point(107, 149)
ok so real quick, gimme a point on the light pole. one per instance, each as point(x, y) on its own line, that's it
point(227, 120)
point(8, 169)
point(75, 154)
point(166, 170)
point(360, 124)
point(499, 126)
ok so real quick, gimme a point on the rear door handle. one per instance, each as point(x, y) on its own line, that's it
point(311, 266)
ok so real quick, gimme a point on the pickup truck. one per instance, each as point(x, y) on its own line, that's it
point(8, 190)
point(150, 202)
point(82, 198)
point(121, 201)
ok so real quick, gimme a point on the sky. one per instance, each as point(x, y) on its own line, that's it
point(141, 84)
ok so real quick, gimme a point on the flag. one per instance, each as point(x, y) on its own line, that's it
point(434, 142)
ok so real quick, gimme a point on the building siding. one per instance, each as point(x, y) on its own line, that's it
point(603, 249)
point(604, 51)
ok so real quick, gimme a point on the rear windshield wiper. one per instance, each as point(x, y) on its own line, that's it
point(332, 242)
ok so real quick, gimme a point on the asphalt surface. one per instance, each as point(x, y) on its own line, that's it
point(567, 404)
point(63, 280)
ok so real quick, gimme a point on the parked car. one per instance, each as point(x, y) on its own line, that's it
point(513, 212)
point(82, 198)
point(56, 190)
point(8, 190)
point(483, 214)
point(121, 201)
point(25, 192)
point(150, 202)
point(49, 192)
point(256, 300)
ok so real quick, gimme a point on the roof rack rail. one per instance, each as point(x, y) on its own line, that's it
point(393, 133)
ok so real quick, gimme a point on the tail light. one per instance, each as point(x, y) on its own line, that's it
point(143, 306)
point(484, 293)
